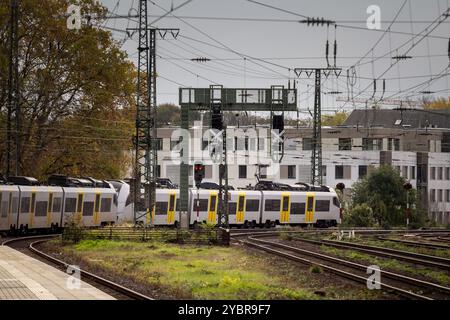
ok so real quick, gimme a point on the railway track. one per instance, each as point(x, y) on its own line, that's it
point(416, 244)
point(405, 286)
point(28, 245)
point(417, 258)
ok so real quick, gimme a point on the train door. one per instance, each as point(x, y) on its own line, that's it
point(285, 207)
point(5, 204)
point(96, 208)
point(171, 208)
point(32, 207)
point(240, 213)
point(310, 206)
point(49, 208)
point(212, 208)
point(79, 213)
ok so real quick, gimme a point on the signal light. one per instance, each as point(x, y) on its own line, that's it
point(199, 174)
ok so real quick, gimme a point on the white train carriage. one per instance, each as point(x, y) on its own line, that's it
point(205, 209)
point(295, 207)
point(244, 207)
point(89, 206)
point(9, 205)
point(39, 207)
point(166, 205)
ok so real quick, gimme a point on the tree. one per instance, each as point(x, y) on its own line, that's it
point(336, 119)
point(382, 190)
point(440, 103)
point(76, 93)
point(361, 215)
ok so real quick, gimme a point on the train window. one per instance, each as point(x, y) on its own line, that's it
point(272, 205)
point(56, 205)
point(88, 208)
point(25, 205)
point(15, 204)
point(336, 202)
point(202, 205)
point(241, 202)
point(97, 203)
point(298, 207)
point(252, 205)
point(171, 202)
point(285, 203)
point(160, 208)
point(105, 205)
point(79, 202)
point(41, 208)
point(310, 203)
point(212, 204)
point(71, 204)
point(232, 208)
point(322, 205)
point(128, 201)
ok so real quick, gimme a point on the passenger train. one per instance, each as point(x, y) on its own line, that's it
point(27, 205)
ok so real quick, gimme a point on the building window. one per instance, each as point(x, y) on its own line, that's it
point(261, 144)
point(362, 171)
point(372, 144)
point(342, 172)
point(439, 173)
point(447, 173)
point(413, 173)
point(158, 171)
point(205, 143)
point(291, 172)
point(447, 195)
point(393, 144)
point(439, 198)
point(242, 172)
point(433, 173)
point(174, 143)
point(159, 144)
point(262, 172)
point(307, 144)
point(345, 144)
point(432, 195)
point(405, 172)
point(339, 172)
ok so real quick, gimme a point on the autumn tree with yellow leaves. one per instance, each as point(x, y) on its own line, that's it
point(76, 93)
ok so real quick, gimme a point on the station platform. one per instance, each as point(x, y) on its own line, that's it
point(25, 278)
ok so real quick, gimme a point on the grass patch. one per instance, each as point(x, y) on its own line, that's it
point(205, 272)
point(189, 271)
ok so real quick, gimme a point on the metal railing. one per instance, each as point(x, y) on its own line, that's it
point(208, 236)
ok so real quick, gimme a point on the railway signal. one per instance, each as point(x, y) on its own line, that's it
point(199, 174)
point(407, 186)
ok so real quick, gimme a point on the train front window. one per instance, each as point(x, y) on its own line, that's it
point(336, 202)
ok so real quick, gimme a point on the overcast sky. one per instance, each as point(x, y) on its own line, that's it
point(288, 44)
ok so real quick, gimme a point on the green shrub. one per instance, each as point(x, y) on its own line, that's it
point(360, 215)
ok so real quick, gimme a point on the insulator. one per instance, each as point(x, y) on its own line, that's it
point(326, 52)
point(335, 52)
